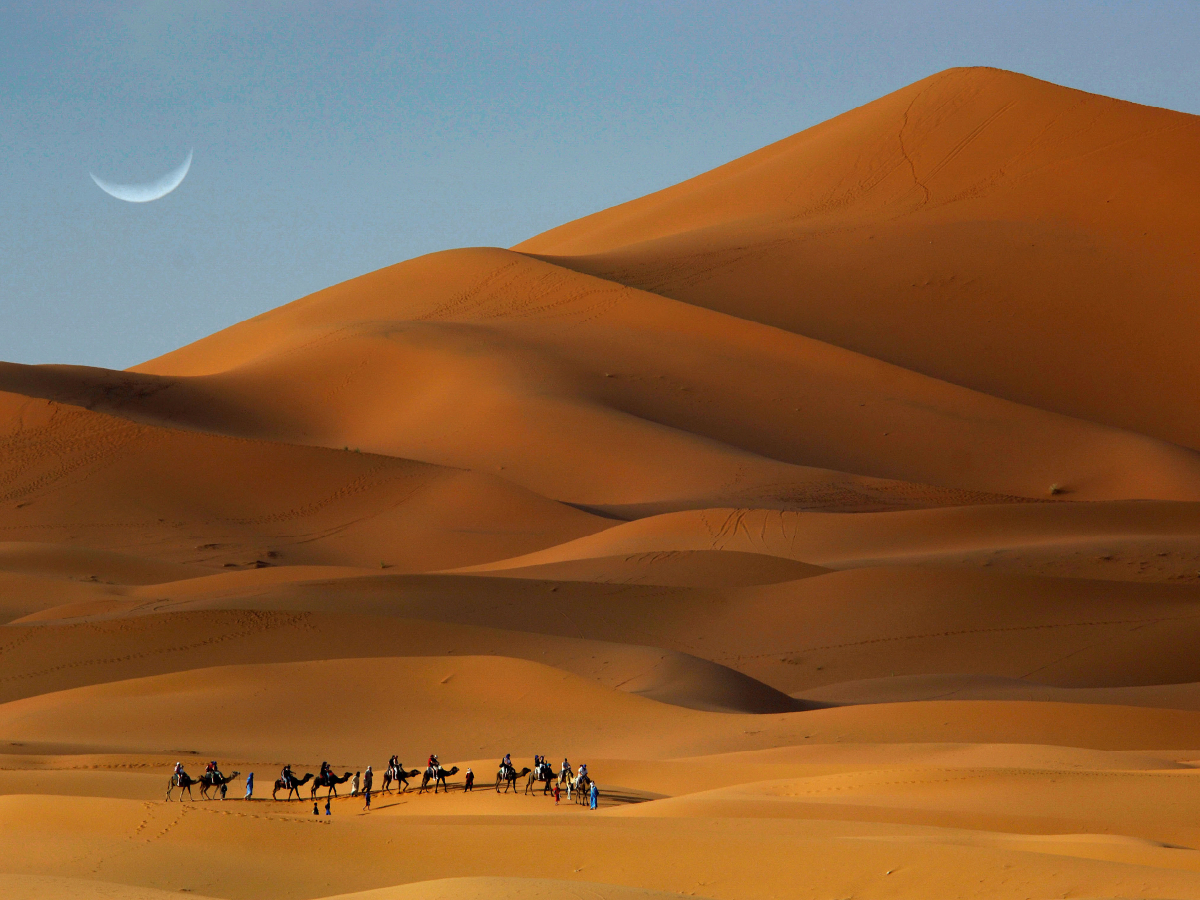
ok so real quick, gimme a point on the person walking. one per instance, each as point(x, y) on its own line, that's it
point(595, 795)
point(354, 785)
point(368, 777)
point(556, 793)
point(469, 780)
point(328, 812)
point(249, 786)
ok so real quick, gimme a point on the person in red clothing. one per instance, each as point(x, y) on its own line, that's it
point(556, 790)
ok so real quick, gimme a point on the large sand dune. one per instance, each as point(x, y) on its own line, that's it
point(840, 507)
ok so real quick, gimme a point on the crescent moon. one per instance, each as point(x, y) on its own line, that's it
point(151, 190)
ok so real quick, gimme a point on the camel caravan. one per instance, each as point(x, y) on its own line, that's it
point(579, 787)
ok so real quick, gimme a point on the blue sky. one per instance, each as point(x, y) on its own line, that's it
point(333, 139)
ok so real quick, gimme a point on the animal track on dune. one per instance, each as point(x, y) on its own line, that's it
point(362, 484)
point(260, 622)
point(513, 292)
point(72, 439)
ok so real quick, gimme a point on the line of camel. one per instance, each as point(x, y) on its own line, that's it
point(576, 786)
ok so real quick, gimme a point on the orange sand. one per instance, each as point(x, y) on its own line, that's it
point(840, 507)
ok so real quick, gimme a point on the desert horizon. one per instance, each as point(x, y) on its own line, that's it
point(838, 507)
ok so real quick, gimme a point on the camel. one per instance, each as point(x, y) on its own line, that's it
point(400, 776)
point(581, 786)
point(184, 783)
point(208, 782)
point(546, 775)
point(440, 776)
point(294, 786)
point(510, 778)
point(330, 781)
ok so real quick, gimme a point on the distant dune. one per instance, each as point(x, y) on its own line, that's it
point(838, 507)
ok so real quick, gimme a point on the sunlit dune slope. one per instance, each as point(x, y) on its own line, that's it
point(510, 889)
point(50, 887)
point(477, 707)
point(65, 840)
point(467, 706)
point(79, 477)
point(996, 231)
point(1107, 541)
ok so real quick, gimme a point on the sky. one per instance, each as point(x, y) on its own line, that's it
point(333, 139)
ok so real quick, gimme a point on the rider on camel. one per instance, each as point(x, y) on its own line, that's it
point(434, 765)
point(287, 777)
point(394, 765)
point(325, 771)
point(213, 772)
point(179, 773)
point(506, 765)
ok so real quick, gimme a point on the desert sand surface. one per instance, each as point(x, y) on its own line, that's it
point(839, 508)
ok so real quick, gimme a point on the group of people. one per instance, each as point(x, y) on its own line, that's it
point(363, 781)
point(542, 768)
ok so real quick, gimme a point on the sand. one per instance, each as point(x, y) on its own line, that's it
point(839, 507)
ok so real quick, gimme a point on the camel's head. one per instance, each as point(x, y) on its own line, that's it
point(452, 771)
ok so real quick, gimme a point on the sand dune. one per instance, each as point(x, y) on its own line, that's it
point(291, 854)
point(74, 476)
point(861, 623)
point(1106, 541)
point(901, 689)
point(978, 226)
point(600, 391)
point(473, 707)
point(97, 566)
point(840, 507)
point(669, 568)
point(60, 656)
